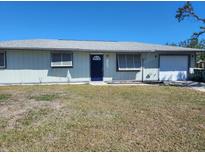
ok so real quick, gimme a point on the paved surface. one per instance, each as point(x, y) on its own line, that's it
point(200, 86)
point(197, 86)
point(97, 83)
point(189, 84)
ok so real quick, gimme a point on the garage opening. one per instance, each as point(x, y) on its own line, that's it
point(173, 67)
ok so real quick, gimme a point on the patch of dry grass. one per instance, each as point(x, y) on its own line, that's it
point(102, 118)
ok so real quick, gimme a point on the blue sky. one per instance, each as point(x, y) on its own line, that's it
point(151, 22)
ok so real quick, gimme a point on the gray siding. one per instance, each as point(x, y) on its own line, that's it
point(34, 67)
point(192, 63)
point(150, 67)
point(111, 73)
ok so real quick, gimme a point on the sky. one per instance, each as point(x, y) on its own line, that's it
point(150, 22)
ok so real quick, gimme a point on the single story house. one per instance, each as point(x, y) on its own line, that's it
point(54, 61)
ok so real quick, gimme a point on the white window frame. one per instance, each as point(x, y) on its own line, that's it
point(128, 69)
point(53, 65)
point(4, 52)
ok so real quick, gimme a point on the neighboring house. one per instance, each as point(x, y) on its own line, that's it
point(201, 64)
point(51, 61)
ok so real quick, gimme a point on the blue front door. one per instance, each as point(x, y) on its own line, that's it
point(96, 67)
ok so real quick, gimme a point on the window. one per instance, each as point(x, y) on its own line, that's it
point(128, 62)
point(61, 60)
point(2, 59)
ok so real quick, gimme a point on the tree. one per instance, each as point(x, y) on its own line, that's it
point(188, 11)
point(192, 43)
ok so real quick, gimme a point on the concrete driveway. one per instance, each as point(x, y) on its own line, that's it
point(200, 86)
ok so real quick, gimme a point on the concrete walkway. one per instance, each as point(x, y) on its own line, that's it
point(187, 84)
point(200, 86)
point(197, 86)
point(97, 83)
point(101, 83)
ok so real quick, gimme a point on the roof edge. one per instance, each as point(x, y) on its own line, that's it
point(102, 50)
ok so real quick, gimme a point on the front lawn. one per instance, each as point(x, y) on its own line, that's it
point(101, 118)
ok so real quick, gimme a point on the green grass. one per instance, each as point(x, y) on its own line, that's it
point(4, 97)
point(3, 123)
point(103, 118)
point(46, 97)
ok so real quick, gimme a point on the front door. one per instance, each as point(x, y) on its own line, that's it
point(96, 67)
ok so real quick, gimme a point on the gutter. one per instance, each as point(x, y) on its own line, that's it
point(71, 49)
point(100, 50)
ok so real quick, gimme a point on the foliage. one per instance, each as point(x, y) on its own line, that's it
point(192, 43)
point(188, 11)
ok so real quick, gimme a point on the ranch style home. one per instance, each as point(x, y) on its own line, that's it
point(55, 61)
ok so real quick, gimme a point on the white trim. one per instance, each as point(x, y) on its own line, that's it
point(129, 69)
point(93, 53)
point(53, 65)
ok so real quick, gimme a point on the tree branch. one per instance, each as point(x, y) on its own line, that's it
point(197, 34)
point(196, 16)
point(187, 11)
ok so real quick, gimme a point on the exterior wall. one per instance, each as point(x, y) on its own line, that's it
point(111, 73)
point(192, 63)
point(34, 67)
point(148, 72)
point(150, 67)
point(191, 58)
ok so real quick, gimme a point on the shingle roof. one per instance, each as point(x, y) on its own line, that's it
point(48, 44)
